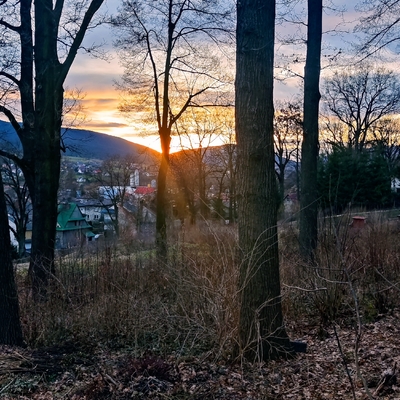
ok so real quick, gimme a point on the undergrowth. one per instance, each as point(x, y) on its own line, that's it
point(118, 296)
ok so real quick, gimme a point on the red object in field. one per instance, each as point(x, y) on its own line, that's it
point(358, 222)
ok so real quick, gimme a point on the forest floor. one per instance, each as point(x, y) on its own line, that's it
point(326, 371)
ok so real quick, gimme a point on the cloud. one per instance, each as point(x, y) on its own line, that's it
point(106, 125)
point(93, 102)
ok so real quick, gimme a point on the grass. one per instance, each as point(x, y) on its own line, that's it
point(185, 305)
point(188, 305)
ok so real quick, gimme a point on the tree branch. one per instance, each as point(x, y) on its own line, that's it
point(66, 65)
point(11, 118)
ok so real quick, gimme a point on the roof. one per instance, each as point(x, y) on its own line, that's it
point(144, 190)
point(67, 213)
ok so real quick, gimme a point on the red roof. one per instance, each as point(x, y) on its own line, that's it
point(144, 190)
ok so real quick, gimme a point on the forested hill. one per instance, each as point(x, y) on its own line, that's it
point(88, 144)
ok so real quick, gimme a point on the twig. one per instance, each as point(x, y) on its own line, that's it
point(4, 388)
point(304, 289)
point(345, 363)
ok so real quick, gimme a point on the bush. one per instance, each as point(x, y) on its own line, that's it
point(185, 305)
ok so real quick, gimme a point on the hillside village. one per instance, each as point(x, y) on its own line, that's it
point(87, 208)
point(87, 205)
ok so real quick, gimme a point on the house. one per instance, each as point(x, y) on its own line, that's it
point(141, 196)
point(396, 185)
point(93, 210)
point(12, 226)
point(142, 191)
point(99, 214)
point(114, 192)
point(72, 228)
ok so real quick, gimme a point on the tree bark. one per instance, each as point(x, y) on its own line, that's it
point(261, 332)
point(161, 200)
point(10, 327)
point(45, 173)
point(309, 151)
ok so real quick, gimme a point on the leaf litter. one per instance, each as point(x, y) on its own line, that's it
point(70, 371)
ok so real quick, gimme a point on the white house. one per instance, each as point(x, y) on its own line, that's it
point(396, 185)
point(12, 226)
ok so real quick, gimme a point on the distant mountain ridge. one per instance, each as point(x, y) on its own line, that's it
point(88, 144)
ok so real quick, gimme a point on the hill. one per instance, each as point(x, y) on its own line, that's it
point(88, 144)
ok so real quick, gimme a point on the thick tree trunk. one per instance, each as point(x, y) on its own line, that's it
point(44, 223)
point(309, 152)
point(261, 332)
point(48, 102)
point(10, 327)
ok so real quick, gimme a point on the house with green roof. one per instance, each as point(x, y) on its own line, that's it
point(72, 228)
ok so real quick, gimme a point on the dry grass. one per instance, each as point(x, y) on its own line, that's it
point(185, 305)
point(366, 260)
point(189, 305)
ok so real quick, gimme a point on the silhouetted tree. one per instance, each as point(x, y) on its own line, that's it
point(167, 57)
point(359, 99)
point(18, 202)
point(114, 181)
point(287, 139)
point(309, 150)
point(49, 35)
point(261, 331)
point(10, 327)
point(380, 26)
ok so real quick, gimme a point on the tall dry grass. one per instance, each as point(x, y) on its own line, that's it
point(117, 297)
point(366, 260)
point(123, 296)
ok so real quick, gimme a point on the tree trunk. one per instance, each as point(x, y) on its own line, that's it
point(202, 188)
point(309, 152)
point(232, 188)
point(49, 102)
point(261, 332)
point(116, 221)
point(10, 327)
point(44, 221)
point(21, 244)
point(161, 200)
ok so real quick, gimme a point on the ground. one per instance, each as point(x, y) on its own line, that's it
point(326, 371)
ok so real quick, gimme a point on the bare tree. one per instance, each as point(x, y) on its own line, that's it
point(10, 327)
point(386, 135)
point(380, 26)
point(225, 161)
point(18, 201)
point(359, 99)
point(261, 331)
point(287, 140)
point(40, 41)
point(114, 181)
point(168, 51)
point(197, 131)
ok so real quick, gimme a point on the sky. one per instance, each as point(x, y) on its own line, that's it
point(96, 78)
